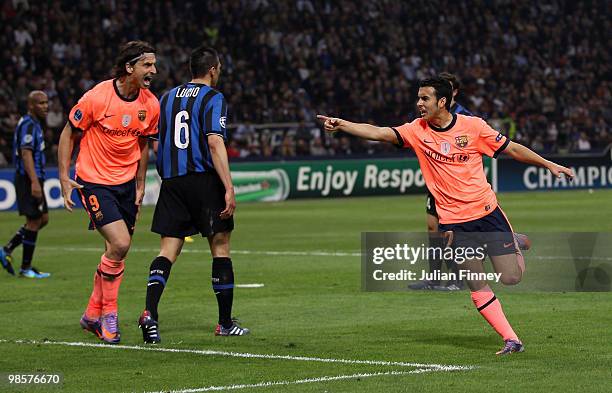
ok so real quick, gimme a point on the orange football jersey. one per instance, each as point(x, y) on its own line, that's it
point(451, 162)
point(109, 151)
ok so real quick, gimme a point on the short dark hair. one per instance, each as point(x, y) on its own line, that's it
point(452, 78)
point(202, 59)
point(130, 53)
point(442, 88)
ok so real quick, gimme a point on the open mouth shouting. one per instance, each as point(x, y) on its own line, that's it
point(146, 81)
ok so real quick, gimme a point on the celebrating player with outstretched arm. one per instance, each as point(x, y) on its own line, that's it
point(449, 148)
point(435, 240)
point(114, 117)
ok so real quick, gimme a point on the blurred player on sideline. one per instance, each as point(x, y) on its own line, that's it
point(29, 159)
point(115, 116)
point(449, 148)
point(197, 194)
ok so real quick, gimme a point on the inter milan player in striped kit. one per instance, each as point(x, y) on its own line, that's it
point(196, 195)
point(29, 160)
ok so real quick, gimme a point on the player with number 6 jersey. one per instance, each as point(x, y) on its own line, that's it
point(197, 194)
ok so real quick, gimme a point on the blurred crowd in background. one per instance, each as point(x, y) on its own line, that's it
point(540, 72)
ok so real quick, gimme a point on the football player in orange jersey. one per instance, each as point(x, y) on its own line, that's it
point(115, 118)
point(449, 148)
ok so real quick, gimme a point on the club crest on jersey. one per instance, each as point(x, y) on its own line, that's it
point(461, 141)
point(446, 147)
point(142, 115)
point(125, 120)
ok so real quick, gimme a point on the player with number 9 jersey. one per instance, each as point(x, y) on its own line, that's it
point(115, 117)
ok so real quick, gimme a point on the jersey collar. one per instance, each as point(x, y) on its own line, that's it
point(448, 127)
point(122, 97)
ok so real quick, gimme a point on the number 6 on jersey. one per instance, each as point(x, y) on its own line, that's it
point(181, 128)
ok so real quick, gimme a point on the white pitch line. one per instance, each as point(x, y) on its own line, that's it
point(206, 251)
point(437, 367)
point(255, 285)
point(302, 253)
point(298, 382)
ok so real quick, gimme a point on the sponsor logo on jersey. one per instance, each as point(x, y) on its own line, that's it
point(78, 115)
point(498, 137)
point(461, 141)
point(118, 132)
point(461, 157)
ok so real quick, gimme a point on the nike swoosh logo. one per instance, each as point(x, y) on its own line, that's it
point(426, 141)
point(506, 245)
point(107, 116)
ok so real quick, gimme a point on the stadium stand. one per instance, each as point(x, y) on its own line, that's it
point(539, 71)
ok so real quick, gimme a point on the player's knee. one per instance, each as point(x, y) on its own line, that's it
point(44, 220)
point(119, 248)
point(219, 243)
point(34, 224)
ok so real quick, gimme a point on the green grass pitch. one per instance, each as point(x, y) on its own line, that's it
point(311, 306)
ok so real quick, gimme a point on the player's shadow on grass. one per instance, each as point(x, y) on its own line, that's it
point(441, 338)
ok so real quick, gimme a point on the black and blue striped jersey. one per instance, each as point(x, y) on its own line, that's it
point(188, 114)
point(459, 109)
point(29, 135)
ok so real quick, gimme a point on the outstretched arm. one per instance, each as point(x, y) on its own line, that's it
point(361, 130)
point(528, 156)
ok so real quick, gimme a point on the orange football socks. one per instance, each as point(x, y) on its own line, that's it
point(111, 274)
point(94, 307)
point(490, 308)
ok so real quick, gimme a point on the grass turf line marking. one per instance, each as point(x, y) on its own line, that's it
point(299, 381)
point(243, 252)
point(435, 367)
point(301, 253)
point(249, 285)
